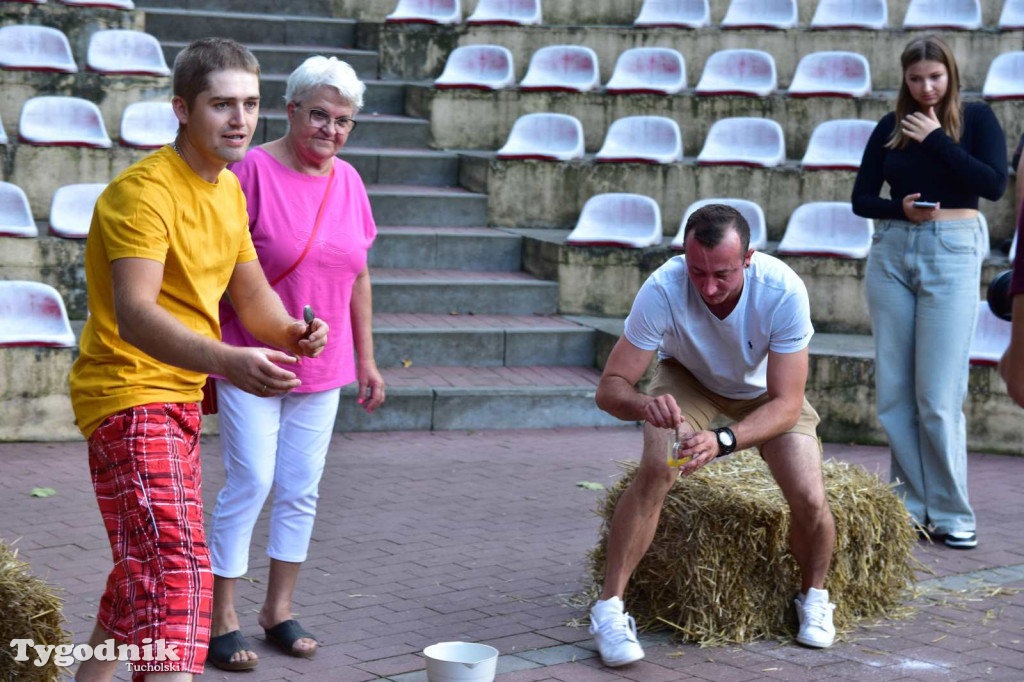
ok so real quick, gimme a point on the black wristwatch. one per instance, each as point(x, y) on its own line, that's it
point(726, 441)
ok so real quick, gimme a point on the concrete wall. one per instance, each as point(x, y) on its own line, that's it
point(550, 194)
point(40, 171)
point(621, 12)
point(34, 401)
point(603, 281)
point(475, 119)
point(417, 52)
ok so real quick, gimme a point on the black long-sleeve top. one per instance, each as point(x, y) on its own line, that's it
point(954, 174)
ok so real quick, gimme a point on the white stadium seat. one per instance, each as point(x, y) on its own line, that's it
point(15, 213)
point(109, 4)
point(631, 220)
point(645, 139)
point(119, 51)
point(31, 2)
point(483, 67)
point(744, 141)
point(70, 121)
point(1005, 79)
point(3, 134)
point(35, 48)
point(779, 14)
point(851, 14)
point(546, 137)
point(649, 70)
point(831, 74)
point(748, 209)
point(838, 145)
point(738, 72)
point(148, 125)
point(562, 67)
point(991, 337)
point(71, 209)
point(1012, 16)
point(674, 14)
point(943, 14)
point(827, 228)
point(33, 314)
point(507, 12)
point(426, 12)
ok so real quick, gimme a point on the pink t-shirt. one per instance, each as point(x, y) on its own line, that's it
point(282, 206)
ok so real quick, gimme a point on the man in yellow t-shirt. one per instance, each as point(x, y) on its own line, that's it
point(168, 238)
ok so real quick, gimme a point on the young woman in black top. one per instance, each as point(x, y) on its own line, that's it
point(922, 278)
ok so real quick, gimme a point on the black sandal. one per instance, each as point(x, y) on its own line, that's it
point(223, 647)
point(286, 633)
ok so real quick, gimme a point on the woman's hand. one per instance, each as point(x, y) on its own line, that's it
point(918, 126)
point(308, 340)
point(918, 215)
point(371, 387)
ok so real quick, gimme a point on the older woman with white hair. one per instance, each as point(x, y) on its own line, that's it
point(312, 227)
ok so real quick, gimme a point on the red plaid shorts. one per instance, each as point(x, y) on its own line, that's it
point(146, 472)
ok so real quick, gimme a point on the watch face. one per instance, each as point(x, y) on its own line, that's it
point(726, 439)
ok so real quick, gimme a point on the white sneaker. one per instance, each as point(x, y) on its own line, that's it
point(815, 614)
point(615, 633)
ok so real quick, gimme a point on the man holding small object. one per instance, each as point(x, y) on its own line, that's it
point(731, 329)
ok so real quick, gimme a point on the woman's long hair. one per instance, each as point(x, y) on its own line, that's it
point(928, 49)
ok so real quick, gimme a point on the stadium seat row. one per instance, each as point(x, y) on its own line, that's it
point(70, 211)
point(76, 122)
point(28, 47)
point(101, 4)
point(741, 14)
point(662, 71)
point(749, 141)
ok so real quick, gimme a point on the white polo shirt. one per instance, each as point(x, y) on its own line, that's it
point(730, 356)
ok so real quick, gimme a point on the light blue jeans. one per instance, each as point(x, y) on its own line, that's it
point(922, 288)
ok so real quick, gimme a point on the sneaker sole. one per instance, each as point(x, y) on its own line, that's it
point(619, 664)
point(961, 545)
point(814, 645)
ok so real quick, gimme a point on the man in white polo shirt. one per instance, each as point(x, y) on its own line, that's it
point(731, 329)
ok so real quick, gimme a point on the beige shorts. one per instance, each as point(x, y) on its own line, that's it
point(700, 406)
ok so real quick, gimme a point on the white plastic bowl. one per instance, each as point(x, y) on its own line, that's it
point(461, 662)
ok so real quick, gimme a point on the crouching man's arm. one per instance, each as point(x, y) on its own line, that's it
point(617, 394)
point(786, 380)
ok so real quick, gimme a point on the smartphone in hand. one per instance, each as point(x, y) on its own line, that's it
point(925, 204)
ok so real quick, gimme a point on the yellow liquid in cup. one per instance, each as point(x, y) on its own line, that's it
point(674, 461)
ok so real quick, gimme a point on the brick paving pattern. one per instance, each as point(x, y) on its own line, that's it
point(426, 537)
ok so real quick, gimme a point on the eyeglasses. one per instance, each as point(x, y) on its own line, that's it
point(321, 119)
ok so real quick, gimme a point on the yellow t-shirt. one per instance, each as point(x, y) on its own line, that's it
point(157, 209)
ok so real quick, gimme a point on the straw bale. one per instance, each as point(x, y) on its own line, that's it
point(30, 609)
point(719, 569)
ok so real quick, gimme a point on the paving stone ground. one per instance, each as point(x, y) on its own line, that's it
point(425, 537)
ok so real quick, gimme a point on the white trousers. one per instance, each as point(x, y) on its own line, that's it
point(280, 443)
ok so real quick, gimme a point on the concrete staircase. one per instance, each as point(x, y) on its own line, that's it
point(465, 338)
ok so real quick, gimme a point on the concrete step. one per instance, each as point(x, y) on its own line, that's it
point(403, 166)
point(413, 339)
point(381, 97)
point(427, 206)
point(315, 8)
point(286, 58)
point(480, 398)
point(442, 292)
point(476, 119)
point(545, 194)
point(603, 281)
point(416, 52)
point(446, 248)
point(183, 25)
point(383, 130)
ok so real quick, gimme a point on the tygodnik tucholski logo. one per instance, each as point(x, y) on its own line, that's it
point(153, 656)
